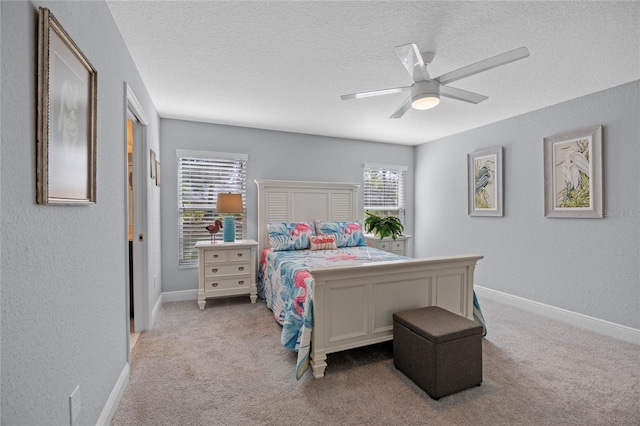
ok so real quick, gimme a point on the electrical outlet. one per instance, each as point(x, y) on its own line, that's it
point(75, 405)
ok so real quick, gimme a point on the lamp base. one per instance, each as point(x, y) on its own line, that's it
point(229, 229)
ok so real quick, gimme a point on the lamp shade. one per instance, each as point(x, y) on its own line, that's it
point(229, 203)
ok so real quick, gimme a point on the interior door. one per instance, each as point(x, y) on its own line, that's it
point(136, 208)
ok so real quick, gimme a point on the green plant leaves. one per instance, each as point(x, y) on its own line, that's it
point(383, 226)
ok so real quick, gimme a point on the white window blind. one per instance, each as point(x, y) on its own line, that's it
point(384, 188)
point(201, 176)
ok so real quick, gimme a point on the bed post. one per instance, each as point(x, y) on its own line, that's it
point(318, 336)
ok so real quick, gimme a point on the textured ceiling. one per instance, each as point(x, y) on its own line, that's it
point(284, 65)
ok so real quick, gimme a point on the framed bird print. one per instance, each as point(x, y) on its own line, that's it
point(485, 182)
point(573, 174)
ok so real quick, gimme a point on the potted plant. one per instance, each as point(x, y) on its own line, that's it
point(389, 226)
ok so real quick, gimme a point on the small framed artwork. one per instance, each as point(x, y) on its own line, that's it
point(485, 182)
point(573, 174)
point(157, 173)
point(152, 164)
point(66, 118)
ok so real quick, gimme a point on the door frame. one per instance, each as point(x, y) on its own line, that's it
point(140, 223)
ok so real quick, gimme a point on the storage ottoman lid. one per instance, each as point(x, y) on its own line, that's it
point(436, 324)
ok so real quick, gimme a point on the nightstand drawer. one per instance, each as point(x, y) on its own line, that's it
point(226, 269)
point(396, 245)
point(212, 256)
point(377, 243)
point(383, 245)
point(239, 255)
point(212, 284)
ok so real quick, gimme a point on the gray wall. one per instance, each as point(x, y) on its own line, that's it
point(64, 319)
point(588, 266)
point(272, 155)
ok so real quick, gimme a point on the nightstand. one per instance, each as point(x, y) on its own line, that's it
point(227, 269)
point(397, 246)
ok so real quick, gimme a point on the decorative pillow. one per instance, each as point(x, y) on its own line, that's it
point(348, 234)
point(290, 235)
point(323, 242)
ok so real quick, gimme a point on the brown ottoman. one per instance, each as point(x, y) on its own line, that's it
point(439, 350)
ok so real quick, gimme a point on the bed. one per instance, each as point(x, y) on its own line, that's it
point(348, 304)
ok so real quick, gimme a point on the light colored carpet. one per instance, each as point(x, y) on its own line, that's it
point(224, 366)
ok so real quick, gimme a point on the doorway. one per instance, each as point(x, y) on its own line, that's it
point(133, 334)
point(135, 195)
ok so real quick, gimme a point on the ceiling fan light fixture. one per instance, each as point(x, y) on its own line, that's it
point(426, 91)
point(425, 101)
point(425, 94)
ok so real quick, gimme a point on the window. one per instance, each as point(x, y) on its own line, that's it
point(201, 176)
point(384, 190)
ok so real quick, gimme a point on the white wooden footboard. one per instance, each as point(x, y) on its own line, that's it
point(353, 305)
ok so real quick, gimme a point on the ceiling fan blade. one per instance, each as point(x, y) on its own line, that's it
point(374, 93)
point(484, 65)
point(412, 61)
point(461, 95)
point(406, 105)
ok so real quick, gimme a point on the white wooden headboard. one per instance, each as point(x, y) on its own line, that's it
point(303, 201)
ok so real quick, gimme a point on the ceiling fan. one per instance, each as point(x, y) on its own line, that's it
point(426, 91)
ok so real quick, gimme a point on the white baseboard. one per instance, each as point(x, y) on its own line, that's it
point(179, 296)
point(607, 328)
point(111, 406)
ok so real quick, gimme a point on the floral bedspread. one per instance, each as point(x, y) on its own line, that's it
point(287, 286)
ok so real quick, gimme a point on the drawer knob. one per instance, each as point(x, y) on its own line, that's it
point(214, 284)
point(214, 270)
point(240, 282)
point(239, 254)
point(241, 268)
point(215, 256)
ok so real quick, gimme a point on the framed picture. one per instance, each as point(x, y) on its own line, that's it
point(157, 167)
point(485, 182)
point(573, 174)
point(152, 164)
point(66, 122)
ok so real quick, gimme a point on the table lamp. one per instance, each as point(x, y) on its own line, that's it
point(229, 203)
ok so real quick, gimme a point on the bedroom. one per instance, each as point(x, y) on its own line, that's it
point(71, 331)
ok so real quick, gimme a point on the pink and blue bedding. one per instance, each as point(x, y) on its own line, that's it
point(348, 234)
point(286, 282)
point(290, 235)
